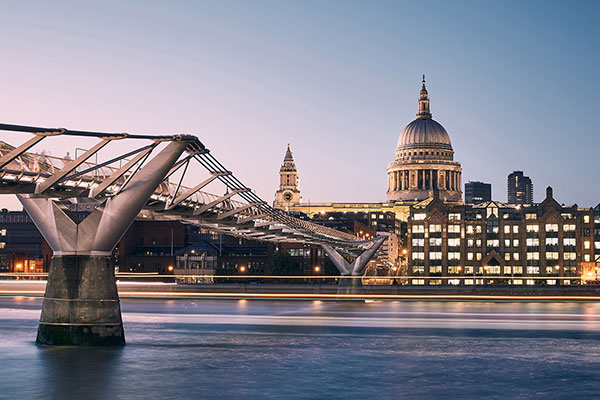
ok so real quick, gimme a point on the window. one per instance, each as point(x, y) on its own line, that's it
point(3, 232)
point(453, 242)
point(507, 256)
point(418, 228)
point(469, 229)
point(569, 256)
point(469, 256)
point(586, 258)
point(507, 270)
point(470, 242)
point(586, 244)
point(515, 228)
point(506, 228)
point(506, 242)
point(516, 256)
point(435, 228)
point(533, 228)
point(419, 217)
point(517, 269)
point(453, 228)
point(454, 270)
point(597, 245)
point(478, 229)
point(478, 257)
point(533, 242)
point(435, 255)
point(551, 241)
point(568, 227)
point(569, 241)
point(533, 256)
point(418, 255)
point(586, 219)
point(552, 255)
point(493, 243)
point(454, 216)
point(492, 269)
point(454, 255)
point(551, 227)
point(533, 270)
point(515, 242)
point(531, 216)
point(418, 242)
point(2, 245)
point(418, 281)
point(435, 241)
point(435, 270)
point(468, 270)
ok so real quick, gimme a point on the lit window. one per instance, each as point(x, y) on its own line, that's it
point(586, 219)
point(453, 281)
point(470, 229)
point(418, 242)
point(507, 256)
point(418, 228)
point(435, 228)
point(2, 245)
point(468, 270)
point(551, 227)
point(515, 228)
point(597, 245)
point(418, 281)
point(586, 244)
point(454, 242)
point(531, 216)
point(453, 228)
point(515, 242)
point(517, 269)
point(506, 242)
point(516, 256)
point(506, 228)
point(468, 281)
point(435, 241)
point(551, 241)
point(570, 255)
point(2, 232)
point(478, 242)
point(507, 270)
point(470, 242)
point(418, 255)
point(419, 217)
point(478, 256)
point(478, 229)
point(435, 255)
point(533, 242)
point(453, 255)
point(533, 228)
point(469, 256)
point(533, 256)
point(533, 270)
point(435, 269)
point(552, 255)
point(569, 242)
point(568, 227)
point(586, 258)
point(454, 217)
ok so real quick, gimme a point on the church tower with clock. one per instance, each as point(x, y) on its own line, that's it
point(288, 193)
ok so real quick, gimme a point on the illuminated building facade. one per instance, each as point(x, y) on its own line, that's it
point(494, 243)
point(519, 188)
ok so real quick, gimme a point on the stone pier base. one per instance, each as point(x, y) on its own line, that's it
point(349, 285)
point(81, 304)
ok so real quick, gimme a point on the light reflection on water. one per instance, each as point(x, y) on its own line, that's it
point(274, 349)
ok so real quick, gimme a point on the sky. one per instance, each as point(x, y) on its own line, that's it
point(514, 83)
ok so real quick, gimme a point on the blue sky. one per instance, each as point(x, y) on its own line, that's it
point(514, 84)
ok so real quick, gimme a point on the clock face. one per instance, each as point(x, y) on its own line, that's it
point(287, 196)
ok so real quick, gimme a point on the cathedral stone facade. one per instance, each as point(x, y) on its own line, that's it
point(424, 160)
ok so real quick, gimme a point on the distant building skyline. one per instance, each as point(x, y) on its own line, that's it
point(519, 188)
point(477, 192)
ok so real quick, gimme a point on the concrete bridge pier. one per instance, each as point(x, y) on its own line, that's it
point(81, 303)
point(350, 281)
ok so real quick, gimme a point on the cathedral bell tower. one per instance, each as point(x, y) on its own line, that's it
point(288, 193)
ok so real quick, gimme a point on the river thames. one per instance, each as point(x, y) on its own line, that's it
point(267, 349)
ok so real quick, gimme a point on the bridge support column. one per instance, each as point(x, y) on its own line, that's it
point(350, 280)
point(81, 303)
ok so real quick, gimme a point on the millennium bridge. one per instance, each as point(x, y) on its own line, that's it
point(81, 303)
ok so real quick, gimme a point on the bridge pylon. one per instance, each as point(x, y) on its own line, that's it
point(350, 272)
point(81, 304)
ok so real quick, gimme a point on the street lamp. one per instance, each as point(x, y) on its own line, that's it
point(317, 269)
point(242, 269)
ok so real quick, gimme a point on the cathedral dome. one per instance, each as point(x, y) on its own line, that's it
point(424, 132)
